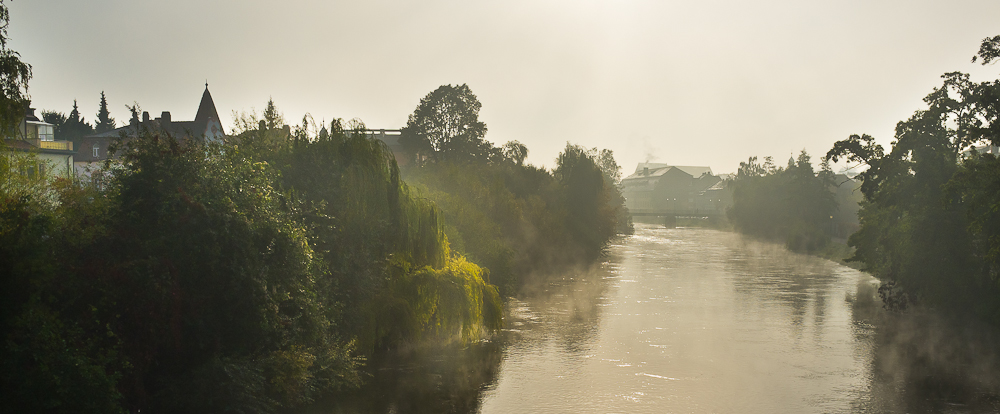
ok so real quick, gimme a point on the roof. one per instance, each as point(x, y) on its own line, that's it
point(657, 169)
point(650, 165)
point(19, 145)
point(206, 109)
point(695, 171)
point(206, 122)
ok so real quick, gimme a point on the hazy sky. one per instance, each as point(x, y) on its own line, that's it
point(682, 82)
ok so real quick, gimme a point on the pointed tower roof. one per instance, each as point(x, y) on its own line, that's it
point(207, 120)
point(206, 110)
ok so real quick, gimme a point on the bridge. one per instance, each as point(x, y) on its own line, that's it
point(668, 217)
point(713, 212)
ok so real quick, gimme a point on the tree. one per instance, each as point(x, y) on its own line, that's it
point(928, 223)
point(76, 127)
point(446, 126)
point(515, 152)
point(594, 204)
point(272, 118)
point(104, 120)
point(792, 204)
point(58, 120)
point(14, 77)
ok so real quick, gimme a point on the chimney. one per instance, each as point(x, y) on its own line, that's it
point(645, 170)
point(165, 119)
point(145, 116)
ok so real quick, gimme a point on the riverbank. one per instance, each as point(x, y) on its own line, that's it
point(699, 320)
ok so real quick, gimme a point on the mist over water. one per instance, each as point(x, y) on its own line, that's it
point(697, 320)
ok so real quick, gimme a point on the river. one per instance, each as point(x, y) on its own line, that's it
point(692, 320)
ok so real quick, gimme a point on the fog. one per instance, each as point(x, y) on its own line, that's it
point(688, 83)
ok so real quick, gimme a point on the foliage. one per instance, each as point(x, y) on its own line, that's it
point(57, 119)
point(520, 221)
point(76, 127)
point(14, 77)
point(591, 195)
point(793, 204)
point(370, 233)
point(514, 151)
point(927, 224)
point(443, 304)
point(104, 120)
point(446, 126)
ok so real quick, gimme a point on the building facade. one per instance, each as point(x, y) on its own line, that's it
point(661, 189)
point(37, 137)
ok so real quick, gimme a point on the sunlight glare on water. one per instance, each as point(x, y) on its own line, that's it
point(688, 320)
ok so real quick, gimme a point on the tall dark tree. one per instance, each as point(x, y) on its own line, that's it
point(446, 126)
point(104, 120)
point(14, 76)
point(76, 127)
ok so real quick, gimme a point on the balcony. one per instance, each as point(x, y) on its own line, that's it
point(53, 145)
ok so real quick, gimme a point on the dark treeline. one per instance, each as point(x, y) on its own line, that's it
point(256, 275)
point(207, 278)
point(517, 220)
point(930, 223)
point(794, 204)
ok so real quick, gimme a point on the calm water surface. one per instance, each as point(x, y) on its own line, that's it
point(698, 321)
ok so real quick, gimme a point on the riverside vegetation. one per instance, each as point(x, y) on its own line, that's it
point(257, 275)
point(930, 222)
point(929, 217)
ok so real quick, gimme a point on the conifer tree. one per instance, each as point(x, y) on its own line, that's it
point(104, 120)
point(76, 127)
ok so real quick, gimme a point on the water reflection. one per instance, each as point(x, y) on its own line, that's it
point(441, 380)
point(695, 320)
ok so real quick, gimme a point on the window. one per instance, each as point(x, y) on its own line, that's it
point(97, 150)
point(46, 133)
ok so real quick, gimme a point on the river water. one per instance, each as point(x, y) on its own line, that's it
point(692, 320)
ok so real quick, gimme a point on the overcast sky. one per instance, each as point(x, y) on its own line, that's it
point(681, 82)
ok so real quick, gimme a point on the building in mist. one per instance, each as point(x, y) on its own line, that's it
point(206, 126)
point(672, 190)
point(985, 149)
point(37, 137)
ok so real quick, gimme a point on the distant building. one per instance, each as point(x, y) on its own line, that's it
point(38, 137)
point(391, 139)
point(661, 189)
point(985, 149)
point(207, 125)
